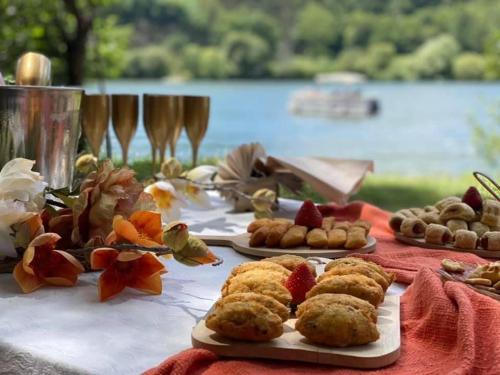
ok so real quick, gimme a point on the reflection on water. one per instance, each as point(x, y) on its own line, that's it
point(423, 128)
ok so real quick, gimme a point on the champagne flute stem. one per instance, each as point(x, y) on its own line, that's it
point(172, 149)
point(125, 156)
point(195, 155)
point(163, 150)
point(153, 153)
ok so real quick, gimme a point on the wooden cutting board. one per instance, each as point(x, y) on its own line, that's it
point(420, 242)
point(293, 346)
point(240, 244)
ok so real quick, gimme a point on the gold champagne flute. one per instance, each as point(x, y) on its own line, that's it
point(196, 113)
point(124, 115)
point(95, 118)
point(170, 104)
point(179, 123)
point(155, 113)
point(33, 69)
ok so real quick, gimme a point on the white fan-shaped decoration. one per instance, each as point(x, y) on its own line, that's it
point(239, 163)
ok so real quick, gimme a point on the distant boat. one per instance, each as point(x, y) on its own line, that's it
point(338, 104)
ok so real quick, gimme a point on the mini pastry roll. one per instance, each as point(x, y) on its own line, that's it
point(491, 241)
point(459, 211)
point(417, 211)
point(256, 224)
point(455, 225)
point(258, 238)
point(430, 209)
point(328, 223)
point(342, 225)
point(366, 225)
point(491, 213)
point(479, 228)
point(336, 238)
point(437, 234)
point(356, 238)
point(396, 220)
point(406, 212)
point(317, 238)
point(276, 233)
point(445, 202)
point(294, 236)
point(430, 217)
point(413, 227)
point(281, 220)
point(465, 239)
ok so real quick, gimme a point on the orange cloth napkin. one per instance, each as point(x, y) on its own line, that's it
point(445, 329)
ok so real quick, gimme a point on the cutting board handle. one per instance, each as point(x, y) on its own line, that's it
point(214, 240)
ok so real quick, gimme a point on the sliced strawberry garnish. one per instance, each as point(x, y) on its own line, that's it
point(309, 215)
point(300, 282)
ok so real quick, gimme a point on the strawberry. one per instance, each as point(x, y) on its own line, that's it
point(309, 215)
point(300, 282)
point(472, 197)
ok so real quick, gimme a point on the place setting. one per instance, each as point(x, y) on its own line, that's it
point(247, 187)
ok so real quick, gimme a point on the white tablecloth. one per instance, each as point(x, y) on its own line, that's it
point(67, 331)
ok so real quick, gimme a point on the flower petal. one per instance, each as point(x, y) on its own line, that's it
point(26, 281)
point(110, 284)
point(151, 285)
point(125, 229)
point(147, 266)
point(148, 223)
point(202, 173)
point(69, 280)
point(129, 256)
point(71, 261)
point(103, 258)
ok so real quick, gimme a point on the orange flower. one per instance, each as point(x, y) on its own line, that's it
point(143, 228)
point(42, 264)
point(134, 269)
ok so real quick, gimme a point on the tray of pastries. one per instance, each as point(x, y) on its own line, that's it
point(288, 308)
point(470, 224)
point(310, 234)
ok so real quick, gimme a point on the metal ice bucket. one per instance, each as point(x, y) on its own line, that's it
point(41, 123)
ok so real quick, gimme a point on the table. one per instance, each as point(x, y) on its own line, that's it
point(67, 331)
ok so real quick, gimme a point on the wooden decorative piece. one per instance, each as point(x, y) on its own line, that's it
point(420, 242)
point(293, 346)
point(240, 244)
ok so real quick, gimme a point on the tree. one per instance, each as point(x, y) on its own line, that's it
point(468, 65)
point(248, 52)
point(433, 59)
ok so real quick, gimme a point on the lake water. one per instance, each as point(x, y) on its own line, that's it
point(422, 129)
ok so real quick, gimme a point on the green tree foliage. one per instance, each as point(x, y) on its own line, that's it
point(469, 65)
point(434, 58)
point(492, 57)
point(249, 53)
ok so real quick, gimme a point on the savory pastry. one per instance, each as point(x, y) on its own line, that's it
point(445, 202)
point(459, 211)
point(396, 220)
point(274, 306)
point(417, 211)
point(327, 299)
point(430, 209)
point(336, 238)
point(256, 224)
point(430, 217)
point(245, 321)
point(361, 269)
point(290, 262)
point(259, 275)
point(491, 241)
point(491, 213)
point(413, 227)
point(294, 236)
point(477, 281)
point(490, 271)
point(465, 239)
point(328, 223)
point(352, 261)
point(317, 238)
point(355, 285)
point(366, 225)
point(479, 228)
point(345, 225)
point(437, 234)
point(455, 224)
point(406, 212)
point(452, 266)
point(336, 325)
point(276, 233)
point(260, 265)
point(356, 238)
point(268, 287)
point(258, 238)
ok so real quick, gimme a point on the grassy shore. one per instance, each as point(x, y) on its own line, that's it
point(390, 192)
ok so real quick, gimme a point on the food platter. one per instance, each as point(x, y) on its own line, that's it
point(240, 244)
point(293, 346)
point(420, 242)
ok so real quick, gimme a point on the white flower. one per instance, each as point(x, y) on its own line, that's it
point(19, 182)
point(201, 174)
point(193, 192)
point(168, 200)
point(11, 213)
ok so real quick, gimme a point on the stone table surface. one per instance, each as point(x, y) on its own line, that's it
point(68, 331)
